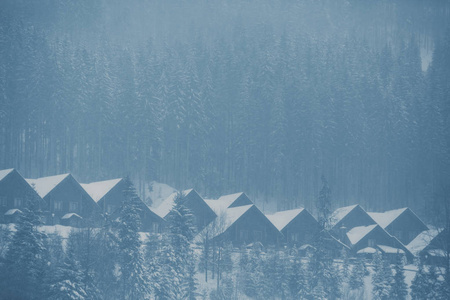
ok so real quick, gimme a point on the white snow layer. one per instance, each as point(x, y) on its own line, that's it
point(45, 185)
point(357, 233)
point(340, 213)
point(390, 250)
point(282, 218)
point(166, 206)
point(97, 190)
point(4, 173)
point(10, 212)
point(385, 218)
point(367, 250)
point(70, 215)
point(422, 240)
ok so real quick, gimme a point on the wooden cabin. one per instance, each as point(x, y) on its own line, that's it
point(109, 196)
point(402, 223)
point(242, 225)
point(432, 246)
point(14, 194)
point(345, 218)
point(374, 237)
point(298, 226)
point(203, 214)
point(64, 195)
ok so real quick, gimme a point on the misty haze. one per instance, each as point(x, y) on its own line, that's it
point(224, 149)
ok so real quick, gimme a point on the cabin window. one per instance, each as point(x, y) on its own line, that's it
point(73, 206)
point(18, 202)
point(294, 237)
point(155, 227)
point(258, 235)
point(57, 205)
point(3, 201)
point(371, 243)
point(243, 235)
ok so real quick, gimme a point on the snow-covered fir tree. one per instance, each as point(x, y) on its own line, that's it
point(399, 289)
point(381, 278)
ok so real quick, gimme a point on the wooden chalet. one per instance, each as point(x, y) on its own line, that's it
point(345, 218)
point(366, 239)
point(432, 246)
point(242, 225)
point(109, 197)
point(203, 214)
point(63, 196)
point(298, 226)
point(14, 194)
point(402, 223)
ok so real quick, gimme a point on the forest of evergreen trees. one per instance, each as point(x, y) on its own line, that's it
point(260, 96)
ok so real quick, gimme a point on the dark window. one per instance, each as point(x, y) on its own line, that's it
point(3, 201)
point(371, 243)
point(294, 237)
point(18, 202)
point(73, 206)
point(155, 227)
point(57, 205)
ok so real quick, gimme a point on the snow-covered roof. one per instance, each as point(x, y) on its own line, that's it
point(225, 219)
point(10, 212)
point(367, 250)
point(229, 199)
point(282, 218)
point(422, 240)
point(4, 173)
point(70, 215)
point(340, 213)
point(158, 192)
point(437, 252)
point(45, 185)
point(385, 218)
point(166, 206)
point(357, 233)
point(390, 250)
point(97, 190)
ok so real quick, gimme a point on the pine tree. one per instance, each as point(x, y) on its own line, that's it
point(356, 280)
point(25, 269)
point(324, 204)
point(399, 289)
point(419, 287)
point(381, 279)
point(133, 279)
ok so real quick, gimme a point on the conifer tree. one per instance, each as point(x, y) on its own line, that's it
point(133, 279)
point(25, 269)
point(356, 281)
point(419, 286)
point(381, 279)
point(399, 289)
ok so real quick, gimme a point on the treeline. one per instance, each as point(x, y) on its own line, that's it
point(115, 262)
point(266, 105)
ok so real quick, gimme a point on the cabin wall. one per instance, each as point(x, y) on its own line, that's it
point(357, 217)
point(14, 193)
point(406, 227)
point(113, 200)
point(252, 227)
point(202, 212)
point(301, 230)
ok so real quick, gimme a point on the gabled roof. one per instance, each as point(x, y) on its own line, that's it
point(229, 199)
point(225, 219)
point(357, 233)
point(422, 240)
point(97, 190)
point(226, 201)
point(4, 173)
point(13, 211)
point(282, 218)
point(384, 219)
point(340, 214)
point(367, 250)
point(166, 206)
point(70, 215)
point(45, 185)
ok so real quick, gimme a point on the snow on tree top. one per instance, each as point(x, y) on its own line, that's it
point(367, 250)
point(12, 212)
point(97, 190)
point(422, 240)
point(4, 173)
point(390, 250)
point(70, 215)
point(385, 218)
point(340, 213)
point(357, 233)
point(45, 185)
point(282, 218)
point(166, 206)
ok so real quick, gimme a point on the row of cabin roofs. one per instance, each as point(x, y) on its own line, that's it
point(231, 217)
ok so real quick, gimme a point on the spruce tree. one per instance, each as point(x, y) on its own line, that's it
point(133, 277)
point(25, 269)
point(399, 289)
point(419, 286)
point(381, 279)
